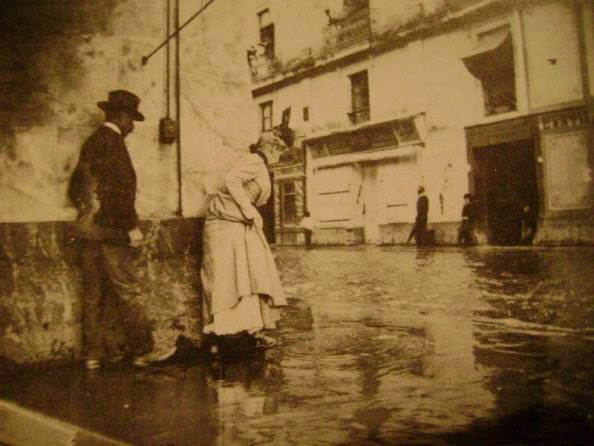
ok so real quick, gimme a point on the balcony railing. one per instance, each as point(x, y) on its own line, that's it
point(359, 116)
point(352, 30)
point(349, 31)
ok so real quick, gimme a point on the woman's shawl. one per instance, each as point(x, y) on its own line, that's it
point(247, 184)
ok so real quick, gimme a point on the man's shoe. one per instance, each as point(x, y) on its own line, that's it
point(153, 357)
point(92, 364)
point(115, 360)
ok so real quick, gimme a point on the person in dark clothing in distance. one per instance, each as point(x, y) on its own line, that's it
point(419, 229)
point(469, 215)
point(307, 224)
point(528, 224)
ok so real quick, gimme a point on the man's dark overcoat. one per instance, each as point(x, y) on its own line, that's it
point(104, 185)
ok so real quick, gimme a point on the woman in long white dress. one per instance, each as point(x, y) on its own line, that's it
point(242, 288)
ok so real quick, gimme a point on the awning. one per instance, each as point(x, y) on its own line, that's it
point(494, 54)
point(408, 151)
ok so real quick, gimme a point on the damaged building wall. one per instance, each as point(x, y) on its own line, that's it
point(57, 61)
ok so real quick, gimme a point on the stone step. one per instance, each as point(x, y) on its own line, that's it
point(24, 427)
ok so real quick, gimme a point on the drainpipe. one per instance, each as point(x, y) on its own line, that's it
point(168, 63)
point(178, 110)
point(586, 87)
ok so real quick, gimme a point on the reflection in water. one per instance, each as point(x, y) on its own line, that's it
point(378, 346)
point(238, 386)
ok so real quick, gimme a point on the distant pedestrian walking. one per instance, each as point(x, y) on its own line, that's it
point(308, 224)
point(419, 229)
point(469, 215)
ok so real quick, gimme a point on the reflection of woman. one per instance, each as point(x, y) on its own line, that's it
point(242, 289)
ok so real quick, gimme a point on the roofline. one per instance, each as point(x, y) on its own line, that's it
point(430, 25)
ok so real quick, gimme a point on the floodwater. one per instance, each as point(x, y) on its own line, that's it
point(379, 346)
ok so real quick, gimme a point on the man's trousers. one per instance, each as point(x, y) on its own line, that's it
point(113, 322)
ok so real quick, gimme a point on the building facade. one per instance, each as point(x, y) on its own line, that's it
point(458, 96)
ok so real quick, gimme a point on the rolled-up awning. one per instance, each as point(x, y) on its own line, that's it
point(491, 56)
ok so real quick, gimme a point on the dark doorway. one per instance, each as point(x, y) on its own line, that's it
point(506, 190)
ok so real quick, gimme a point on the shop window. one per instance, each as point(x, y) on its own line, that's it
point(266, 115)
point(288, 202)
point(266, 33)
point(360, 98)
point(493, 65)
point(406, 131)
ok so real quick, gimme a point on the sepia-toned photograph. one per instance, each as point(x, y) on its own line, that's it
point(296, 222)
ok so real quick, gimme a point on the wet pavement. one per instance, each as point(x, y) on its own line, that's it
point(380, 346)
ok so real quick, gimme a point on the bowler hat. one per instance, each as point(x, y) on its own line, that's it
point(122, 100)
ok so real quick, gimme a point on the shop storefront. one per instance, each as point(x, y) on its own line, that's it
point(534, 172)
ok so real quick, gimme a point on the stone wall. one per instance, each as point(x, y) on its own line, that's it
point(40, 286)
point(446, 233)
point(337, 236)
point(565, 231)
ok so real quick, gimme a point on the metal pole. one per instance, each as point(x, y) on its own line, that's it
point(178, 29)
point(178, 109)
point(168, 59)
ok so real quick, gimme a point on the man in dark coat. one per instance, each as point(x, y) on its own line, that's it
point(103, 188)
point(419, 229)
point(469, 215)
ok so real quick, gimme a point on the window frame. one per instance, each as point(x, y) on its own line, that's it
point(513, 20)
point(283, 202)
point(487, 87)
point(359, 114)
point(267, 105)
point(266, 32)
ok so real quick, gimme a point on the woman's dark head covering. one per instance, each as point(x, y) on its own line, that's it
point(261, 155)
point(255, 148)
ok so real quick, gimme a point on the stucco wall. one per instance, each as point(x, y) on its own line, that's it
point(553, 60)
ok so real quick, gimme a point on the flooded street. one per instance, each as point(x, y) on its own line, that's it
point(379, 346)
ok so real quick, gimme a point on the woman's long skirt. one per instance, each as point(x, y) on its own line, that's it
point(242, 288)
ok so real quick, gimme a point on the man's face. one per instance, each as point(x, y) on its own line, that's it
point(126, 123)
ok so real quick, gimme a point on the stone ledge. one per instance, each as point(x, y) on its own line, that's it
point(40, 286)
point(338, 236)
point(47, 240)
